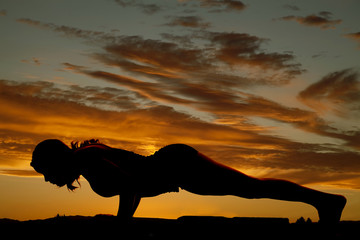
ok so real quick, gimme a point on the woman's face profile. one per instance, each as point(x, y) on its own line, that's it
point(54, 178)
point(51, 158)
point(51, 174)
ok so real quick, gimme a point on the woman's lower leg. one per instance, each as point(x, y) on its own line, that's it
point(329, 206)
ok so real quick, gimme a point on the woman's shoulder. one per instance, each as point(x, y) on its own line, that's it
point(92, 153)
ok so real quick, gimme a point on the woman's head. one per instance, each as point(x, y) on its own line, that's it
point(54, 160)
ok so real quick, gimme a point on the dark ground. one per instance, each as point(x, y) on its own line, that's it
point(184, 227)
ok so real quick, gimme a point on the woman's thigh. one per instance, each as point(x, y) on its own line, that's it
point(208, 177)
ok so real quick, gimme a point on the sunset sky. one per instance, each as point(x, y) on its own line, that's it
point(271, 88)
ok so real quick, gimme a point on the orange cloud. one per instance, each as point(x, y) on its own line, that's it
point(354, 36)
point(35, 111)
point(31, 109)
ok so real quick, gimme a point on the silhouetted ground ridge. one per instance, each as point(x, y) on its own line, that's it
point(183, 227)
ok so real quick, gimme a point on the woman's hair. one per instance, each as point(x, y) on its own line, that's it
point(54, 158)
point(77, 145)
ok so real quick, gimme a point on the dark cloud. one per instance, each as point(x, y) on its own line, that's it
point(338, 92)
point(107, 98)
point(218, 55)
point(163, 58)
point(188, 21)
point(326, 14)
point(341, 89)
point(223, 5)
point(291, 7)
point(159, 54)
point(322, 19)
point(69, 31)
point(321, 54)
point(151, 91)
point(145, 8)
point(171, 60)
point(237, 48)
point(183, 40)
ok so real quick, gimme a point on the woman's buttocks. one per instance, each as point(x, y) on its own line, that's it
point(175, 158)
point(176, 151)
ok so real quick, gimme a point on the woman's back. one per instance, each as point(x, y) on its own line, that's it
point(111, 171)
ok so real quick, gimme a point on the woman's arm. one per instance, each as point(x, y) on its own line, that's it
point(128, 203)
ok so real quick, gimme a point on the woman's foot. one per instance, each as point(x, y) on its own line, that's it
point(330, 209)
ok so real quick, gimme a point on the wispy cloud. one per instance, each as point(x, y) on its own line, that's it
point(188, 21)
point(291, 7)
point(354, 36)
point(223, 5)
point(338, 91)
point(68, 31)
point(238, 49)
point(34, 60)
point(228, 52)
point(323, 20)
point(145, 8)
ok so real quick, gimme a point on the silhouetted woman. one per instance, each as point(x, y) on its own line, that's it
point(112, 171)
